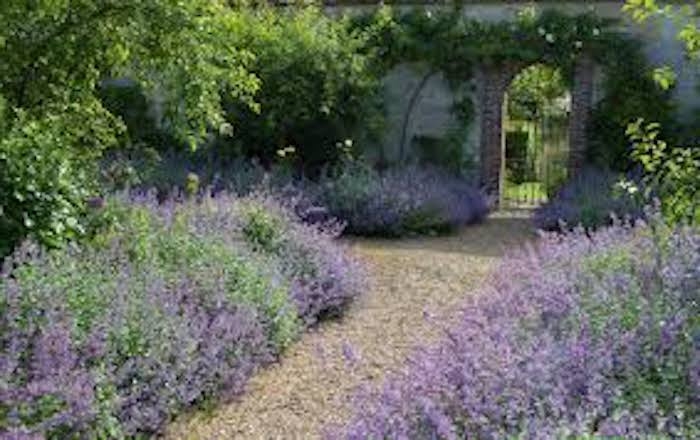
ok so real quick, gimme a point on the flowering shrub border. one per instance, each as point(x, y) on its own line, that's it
point(576, 338)
point(400, 201)
point(171, 305)
point(592, 198)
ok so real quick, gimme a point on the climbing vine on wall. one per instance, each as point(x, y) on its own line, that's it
point(447, 41)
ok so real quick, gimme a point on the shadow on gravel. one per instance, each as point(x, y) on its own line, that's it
point(501, 231)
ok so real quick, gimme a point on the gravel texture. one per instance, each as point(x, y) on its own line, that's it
point(417, 285)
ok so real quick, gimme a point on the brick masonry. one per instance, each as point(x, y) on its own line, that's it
point(494, 81)
point(581, 107)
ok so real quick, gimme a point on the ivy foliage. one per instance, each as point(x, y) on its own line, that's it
point(54, 126)
point(448, 41)
point(455, 44)
point(629, 92)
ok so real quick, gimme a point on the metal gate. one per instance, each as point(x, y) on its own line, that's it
point(535, 160)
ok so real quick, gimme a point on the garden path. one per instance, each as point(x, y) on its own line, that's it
point(417, 284)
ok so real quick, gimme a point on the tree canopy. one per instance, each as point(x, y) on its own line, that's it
point(53, 125)
point(56, 52)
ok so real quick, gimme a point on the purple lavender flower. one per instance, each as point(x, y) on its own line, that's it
point(591, 199)
point(400, 201)
point(583, 335)
point(169, 306)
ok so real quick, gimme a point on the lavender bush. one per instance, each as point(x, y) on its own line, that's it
point(400, 201)
point(577, 338)
point(590, 199)
point(171, 305)
point(324, 280)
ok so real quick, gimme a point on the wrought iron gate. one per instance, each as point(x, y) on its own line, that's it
point(535, 160)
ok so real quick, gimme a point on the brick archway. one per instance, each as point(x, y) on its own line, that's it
point(494, 81)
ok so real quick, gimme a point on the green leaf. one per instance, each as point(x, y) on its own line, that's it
point(665, 77)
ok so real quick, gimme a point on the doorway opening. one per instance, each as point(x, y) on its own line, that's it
point(535, 149)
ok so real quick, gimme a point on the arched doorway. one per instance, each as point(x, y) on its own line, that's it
point(535, 151)
point(493, 80)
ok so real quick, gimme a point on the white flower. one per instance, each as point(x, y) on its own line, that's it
point(578, 44)
point(550, 38)
point(226, 129)
point(627, 186)
point(348, 143)
point(429, 14)
point(541, 31)
point(596, 32)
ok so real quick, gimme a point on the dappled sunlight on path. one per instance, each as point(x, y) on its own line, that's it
point(417, 286)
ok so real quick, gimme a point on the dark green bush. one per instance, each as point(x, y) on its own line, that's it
point(317, 87)
point(446, 152)
point(127, 100)
point(629, 93)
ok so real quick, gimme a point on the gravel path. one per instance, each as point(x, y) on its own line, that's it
point(416, 287)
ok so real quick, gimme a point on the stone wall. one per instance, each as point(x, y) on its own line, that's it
point(431, 115)
point(426, 92)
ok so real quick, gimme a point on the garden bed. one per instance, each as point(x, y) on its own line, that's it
point(580, 337)
point(168, 306)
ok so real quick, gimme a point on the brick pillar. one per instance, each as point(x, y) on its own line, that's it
point(493, 81)
point(581, 106)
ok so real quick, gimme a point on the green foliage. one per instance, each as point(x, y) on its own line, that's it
point(47, 169)
point(424, 221)
point(629, 92)
point(449, 42)
point(56, 53)
point(671, 171)
point(169, 245)
point(262, 229)
point(54, 50)
point(191, 184)
point(444, 152)
point(519, 164)
point(317, 86)
point(685, 16)
point(350, 185)
point(128, 101)
point(665, 77)
point(534, 91)
point(3, 115)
